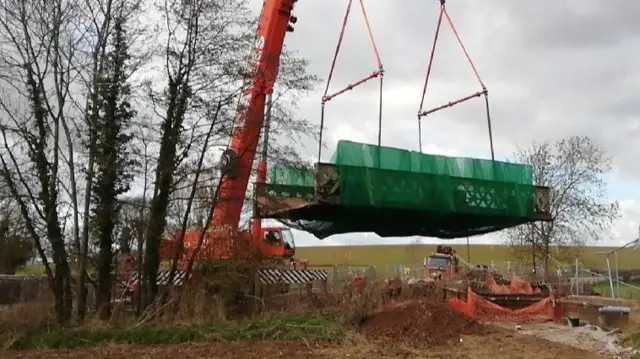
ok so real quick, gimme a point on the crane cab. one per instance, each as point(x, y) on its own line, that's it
point(276, 242)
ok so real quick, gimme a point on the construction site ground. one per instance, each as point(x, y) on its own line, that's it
point(416, 329)
point(588, 337)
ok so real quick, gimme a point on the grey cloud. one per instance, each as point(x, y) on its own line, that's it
point(574, 23)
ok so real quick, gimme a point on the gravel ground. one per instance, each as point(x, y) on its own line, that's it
point(588, 337)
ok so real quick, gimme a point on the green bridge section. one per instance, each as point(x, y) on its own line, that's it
point(410, 192)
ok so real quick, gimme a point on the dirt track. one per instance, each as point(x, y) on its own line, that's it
point(495, 346)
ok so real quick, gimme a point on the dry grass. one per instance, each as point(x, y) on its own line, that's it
point(196, 314)
point(17, 318)
point(206, 323)
point(36, 314)
point(20, 316)
point(192, 316)
point(305, 335)
point(308, 345)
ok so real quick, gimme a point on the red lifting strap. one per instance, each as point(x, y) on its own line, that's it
point(379, 73)
point(421, 112)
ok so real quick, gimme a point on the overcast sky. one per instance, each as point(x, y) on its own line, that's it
point(552, 68)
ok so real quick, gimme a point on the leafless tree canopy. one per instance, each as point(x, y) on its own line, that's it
point(573, 168)
point(106, 148)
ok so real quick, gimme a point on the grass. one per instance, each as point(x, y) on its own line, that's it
point(626, 292)
point(391, 255)
point(31, 270)
point(287, 327)
point(632, 339)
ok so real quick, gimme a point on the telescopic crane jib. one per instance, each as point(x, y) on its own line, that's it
point(264, 63)
point(237, 161)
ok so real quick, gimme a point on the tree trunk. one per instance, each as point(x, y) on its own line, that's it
point(157, 224)
point(164, 180)
point(82, 290)
point(103, 297)
point(140, 228)
point(82, 286)
point(62, 278)
point(139, 267)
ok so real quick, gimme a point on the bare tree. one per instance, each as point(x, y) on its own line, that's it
point(114, 161)
point(100, 18)
point(572, 168)
point(99, 21)
point(200, 38)
point(54, 69)
point(40, 43)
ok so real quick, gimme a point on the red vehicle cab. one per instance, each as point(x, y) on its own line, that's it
point(442, 264)
point(277, 242)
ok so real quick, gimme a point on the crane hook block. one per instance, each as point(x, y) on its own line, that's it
point(228, 164)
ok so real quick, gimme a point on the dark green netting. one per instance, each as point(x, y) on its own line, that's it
point(279, 174)
point(362, 186)
point(395, 192)
point(387, 158)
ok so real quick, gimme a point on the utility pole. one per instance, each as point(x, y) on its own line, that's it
point(468, 252)
point(533, 248)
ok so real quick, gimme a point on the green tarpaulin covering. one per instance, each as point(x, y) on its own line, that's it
point(412, 184)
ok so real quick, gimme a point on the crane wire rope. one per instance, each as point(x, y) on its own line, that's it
point(422, 113)
point(379, 73)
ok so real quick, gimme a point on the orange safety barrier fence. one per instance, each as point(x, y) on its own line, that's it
point(522, 286)
point(479, 308)
point(517, 286)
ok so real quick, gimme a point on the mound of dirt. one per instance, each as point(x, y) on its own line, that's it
point(428, 322)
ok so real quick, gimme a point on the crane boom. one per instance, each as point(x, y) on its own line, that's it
point(237, 161)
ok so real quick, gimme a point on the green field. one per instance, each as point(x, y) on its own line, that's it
point(626, 291)
point(413, 255)
point(390, 255)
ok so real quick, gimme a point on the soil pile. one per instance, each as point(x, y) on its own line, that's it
point(428, 322)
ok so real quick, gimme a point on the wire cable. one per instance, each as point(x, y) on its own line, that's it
point(326, 97)
point(423, 113)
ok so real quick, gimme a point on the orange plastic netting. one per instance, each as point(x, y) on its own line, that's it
point(479, 308)
point(517, 286)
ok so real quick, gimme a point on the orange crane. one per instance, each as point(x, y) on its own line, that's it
point(237, 161)
point(224, 240)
